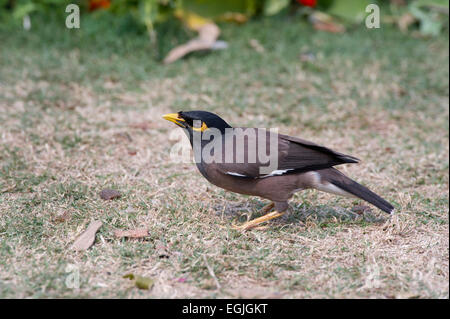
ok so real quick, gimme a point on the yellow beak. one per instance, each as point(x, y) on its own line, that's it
point(173, 117)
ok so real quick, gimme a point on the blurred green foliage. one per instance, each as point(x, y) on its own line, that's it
point(430, 16)
point(431, 21)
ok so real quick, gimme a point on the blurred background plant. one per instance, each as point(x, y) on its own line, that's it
point(420, 17)
point(429, 16)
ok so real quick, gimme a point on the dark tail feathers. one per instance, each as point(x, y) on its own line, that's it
point(338, 179)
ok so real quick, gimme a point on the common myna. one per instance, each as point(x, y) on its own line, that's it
point(262, 163)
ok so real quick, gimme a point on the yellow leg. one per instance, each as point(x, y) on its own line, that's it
point(268, 208)
point(255, 222)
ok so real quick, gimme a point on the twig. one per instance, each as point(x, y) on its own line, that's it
point(211, 272)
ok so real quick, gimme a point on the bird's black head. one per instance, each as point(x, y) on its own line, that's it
point(197, 120)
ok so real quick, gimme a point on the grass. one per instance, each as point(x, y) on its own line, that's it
point(80, 110)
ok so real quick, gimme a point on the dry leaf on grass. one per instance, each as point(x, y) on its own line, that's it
point(132, 152)
point(255, 293)
point(361, 209)
point(208, 35)
point(256, 45)
point(87, 238)
point(140, 281)
point(405, 21)
point(329, 27)
point(7, 189)
point(132, 233)
point(325, 22)
point(65, 216)
point(108, 194)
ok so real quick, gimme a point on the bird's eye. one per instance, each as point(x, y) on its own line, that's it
point(189, 121)
point(196, 125)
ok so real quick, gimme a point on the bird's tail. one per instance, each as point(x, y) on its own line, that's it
point(342, 185)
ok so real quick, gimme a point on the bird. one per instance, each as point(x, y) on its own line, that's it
point(236, 159)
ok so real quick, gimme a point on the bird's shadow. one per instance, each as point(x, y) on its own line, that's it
point(299, 213)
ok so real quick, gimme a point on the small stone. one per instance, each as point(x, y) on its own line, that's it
point(108, 194)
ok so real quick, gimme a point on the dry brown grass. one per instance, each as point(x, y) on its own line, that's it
point(64, 142)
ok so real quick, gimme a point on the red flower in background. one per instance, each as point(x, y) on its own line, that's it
point(308, 3)
point(99, 4)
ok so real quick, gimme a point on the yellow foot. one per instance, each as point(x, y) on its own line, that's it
point(255, 222)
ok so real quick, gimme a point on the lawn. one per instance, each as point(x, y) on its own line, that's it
point(80, 111)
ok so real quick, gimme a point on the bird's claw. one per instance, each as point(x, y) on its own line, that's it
point(249, 227)
point(243, 227)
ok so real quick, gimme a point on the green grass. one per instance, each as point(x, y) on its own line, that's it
point(71, 102)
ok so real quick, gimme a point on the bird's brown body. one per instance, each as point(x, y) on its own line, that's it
point(300, 164)
point(278, 189)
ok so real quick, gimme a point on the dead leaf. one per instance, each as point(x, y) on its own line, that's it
point(255, 293)
point(234, 17)
point(361, 209)
point(129, 276)
point(60, 218)
point(329, 27)
point(208, 34)
point(108, 194)
point(7, 189)
point(324, 22)
point(140, 281)
point(85, 240)
point(405, 21)
point(132, 233)
point(257, 46)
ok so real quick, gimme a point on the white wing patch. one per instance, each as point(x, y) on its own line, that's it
point(235, 174)
point(278, 172)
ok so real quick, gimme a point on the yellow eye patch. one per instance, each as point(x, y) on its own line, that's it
point(201, 129)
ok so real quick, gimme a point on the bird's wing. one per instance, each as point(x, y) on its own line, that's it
point(288, 154)
point(305, 155)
